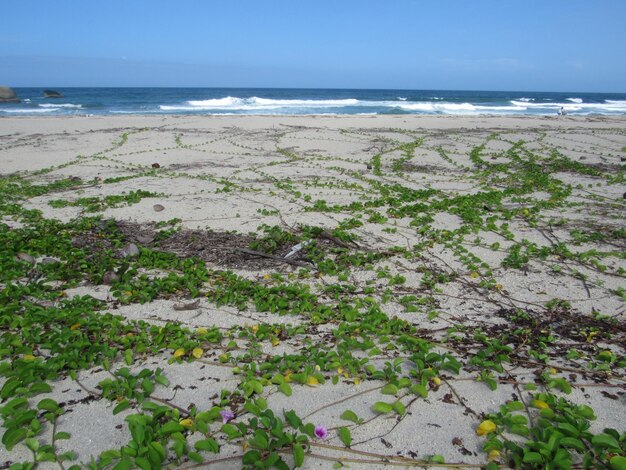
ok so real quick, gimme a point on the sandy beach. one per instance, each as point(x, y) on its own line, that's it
point(426, 273)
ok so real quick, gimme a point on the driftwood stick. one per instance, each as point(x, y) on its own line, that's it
point(276, 258)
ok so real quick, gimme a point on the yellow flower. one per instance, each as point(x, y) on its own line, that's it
point(493, 455)
point(499, 286)
point(202, 331)
point(437, 381)
point(288, 376)
point(267, 276)
point(474, 274)
point(187, 422)
point(178, 353)
point(357, 381)
point(197, 353)
point(553, 371)
point(75, 326)
point(255, 328)
point(275, 342)
point(312, 381)
point(486, 427)
point(28, 357)
point(539, 404)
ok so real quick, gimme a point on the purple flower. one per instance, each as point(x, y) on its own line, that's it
point(227, 415)
point(321, 432)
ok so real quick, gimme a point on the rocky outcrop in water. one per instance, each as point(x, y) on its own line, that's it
point(52, 94)
point(7, 95)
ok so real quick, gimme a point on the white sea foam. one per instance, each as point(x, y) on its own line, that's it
point(575, 100)
point(26, 110)
point(607, 107)
point(402, 98)
point(61, 105)
point(256, 103)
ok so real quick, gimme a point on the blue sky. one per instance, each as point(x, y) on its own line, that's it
point(534, 45)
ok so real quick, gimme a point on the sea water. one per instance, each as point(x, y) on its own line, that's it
point(77, 101)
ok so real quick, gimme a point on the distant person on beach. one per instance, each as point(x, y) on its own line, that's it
point(562, 112)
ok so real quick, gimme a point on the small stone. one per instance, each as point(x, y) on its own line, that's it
point(156, 165)
point(130, 251)
point(48, 260)
point(25, 257)
point(145, 239)
point(369, 167)
point(109, 278)
point(158, 208)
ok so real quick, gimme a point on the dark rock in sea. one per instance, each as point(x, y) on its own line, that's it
point(7, 95)
point(52, 94)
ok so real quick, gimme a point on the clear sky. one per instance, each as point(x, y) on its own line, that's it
point(526, 45)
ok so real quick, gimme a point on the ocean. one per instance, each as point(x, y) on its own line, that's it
point(107, 101)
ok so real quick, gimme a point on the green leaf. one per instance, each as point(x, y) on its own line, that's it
point(128, 356)
point(39, 387)
point(285, 388)
point(138, 432)
point(251, 457)
point(121, 406)
point(389, 389)
point(195, 457)
point(298, 455)
point(171, 427)
point(345, 436)
point(399, 408)
point(259, 440)
point(231, 431)
point(160, 379)
point(13, 436)
point(143, 463)
point(61, 435)
point(208, 445)
point(48, 405)
point(382, 407)
point(350, 415)
point(568, 429)
point(147, 386)
point(514, 406)
point(32, 444)
point(532, 457)
point(419, 389)
point(618, 462)
point(293, 419)
point(605, 441)
point(573, 443)
point(124, 464)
